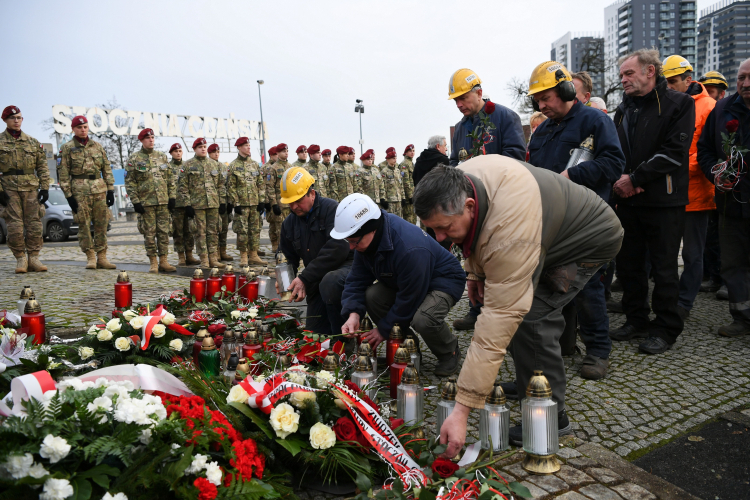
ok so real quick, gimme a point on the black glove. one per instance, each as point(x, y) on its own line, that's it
point(4, 198)
point(403, 203)
point(222, 209)
point(139, 208)
point(384, 204)
point(230, 208)
point(276, 210)
point(260, 207)
point(110, 198)
point(171, 204)
point(190, 212)
point(411, 201)
point(42, 195)
point(73, 204)
point(237, 210)
point(267, 206)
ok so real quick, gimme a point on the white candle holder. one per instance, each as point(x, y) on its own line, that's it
point(364, 377)
point(447, 402)
point(494, 421)
point(410, 397)
point(539, 424)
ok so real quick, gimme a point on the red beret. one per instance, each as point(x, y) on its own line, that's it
point(370, 151)
point(78, 120)
point(272, 152)
point(342, 150)
point(408, 148)
point(314, 148)
point(213, 147)
point(144, 133)
point(10, 111)
point(390, 150)
point(242, 140)
point(301, 149)
point(326, 152)
point(351, 150)
point(281, 147)
point(200, 141)
point(390, 154)
point(366, 156)
point(176, 145)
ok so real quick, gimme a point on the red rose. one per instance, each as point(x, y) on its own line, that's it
point(489, 107)
point(345, 429)
point(444, 467)
point(207, 489)
point(396, 423)
point(217, 329)
point(732, 126)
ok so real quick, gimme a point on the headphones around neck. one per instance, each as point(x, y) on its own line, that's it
point(565, 89)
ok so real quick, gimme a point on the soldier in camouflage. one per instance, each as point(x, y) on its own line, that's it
point(246, 191)
point(317, 170)
point(202, 187)
point(182, 232)
point(407, 173)
point(273, 188)
point(330, 188)
point(392, 183)
point(225, 213)
point(86, 179)
point(301, 157)
point(24, 170)
point(151, 188)
point(268, 173)
point(346, 177)
point(369, 179)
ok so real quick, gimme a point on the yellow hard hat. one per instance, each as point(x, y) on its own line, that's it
point(462, 81)
point(675, 65)
point(548, 75)
point(714, 78)
point(294, 184)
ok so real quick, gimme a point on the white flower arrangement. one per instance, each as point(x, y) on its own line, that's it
point(54, 448)
point(104, 335)
point(284, 420)
point(114, 325)
point(175, 344)
point(158, 331)
point(122, 344)
point(322, 437)
point(137, 322)
point(168, 319)
point(129, 314)
point(85, 352)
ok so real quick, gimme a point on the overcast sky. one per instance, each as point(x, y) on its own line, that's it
point(203, 58)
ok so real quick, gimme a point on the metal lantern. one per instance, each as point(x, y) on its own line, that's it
point(263, 283)
point(242, 371)
point(400, 361)
point(394, 342)
point(366, 350)
point(123, 291)
point(213, 284)
point(198, 286)
point(26, 294)
point(252, 347)
point(410, 397)
point(582, 153)
point(363, 375)
point(447, 402)
point(202, 334)
point(331, 362)
point(284, 276)
point(210, 359)
point(228, 347)
point(539, 424)
point(283, 363)
point(414, 355)
point(229, 279)
point(494, 420)
point(33, 323)
point(231, 368)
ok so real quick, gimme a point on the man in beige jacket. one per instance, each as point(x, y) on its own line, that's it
point(531, 239)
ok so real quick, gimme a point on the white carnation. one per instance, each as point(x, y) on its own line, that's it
point(159, 331)
point(122, 344)
point(55, 448)
point(284, 420)
point(168, 319)
point(129, 314)
point(56, 489)
point(175, 345)
point(18, 465)
point(116, 496)
point(213, 473)
point(85, 352)
point(198, 464)
point(235, 314)
point(252, 312)
point(146, 411)
point(103, 403)
point(114, 325)
point(326, 376)
point(237, 395)
point(297, 377)
point(145, 437)
point(322, 437)
point(117, 390)
point(37, 471)
point(137, 322)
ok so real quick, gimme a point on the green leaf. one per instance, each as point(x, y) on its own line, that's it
point(102, 481)
point(426, 494)
point(100, 470)
point(81, 489)
point(498, 485)
point(363, 482)
point(293, 445)
point(257, 420)
point(440, 449)
point(519, 489)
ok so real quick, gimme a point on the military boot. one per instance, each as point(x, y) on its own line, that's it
point(243, 259)
point(154, 265)
point(35, 265)
point(22, 264)
point(261, 253)
point(274, 246)
point(223, 254)
point(102, 262)
point(204, 260)
point(181, 261)
point(190, 260)
point(90, 259)
point(215, 261)
point(165, 266)
point(254, 259)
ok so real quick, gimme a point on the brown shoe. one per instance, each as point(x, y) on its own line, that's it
point(254, 259)
point(243, 259)
point(181, 259)
point(22, 264)
point(190, 260)
point(102, 262)
point(204, 260)
point(165, 266)
point(154, 265)
point(223, 254)
point(90, 259)
point(465, 323)
point(35, 265)
point(594, 368)
point(274, 246)
point(261, 253)
point(214, 261)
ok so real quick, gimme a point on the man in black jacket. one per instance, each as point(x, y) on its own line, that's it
point(306, 235)
point(434, 155)
point(732, 198)
point(655, 125)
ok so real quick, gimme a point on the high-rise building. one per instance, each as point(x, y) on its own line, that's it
point(724, 39)
point(582, 52)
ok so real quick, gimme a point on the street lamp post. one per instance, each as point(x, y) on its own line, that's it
point(262, 129)
point(360, 108)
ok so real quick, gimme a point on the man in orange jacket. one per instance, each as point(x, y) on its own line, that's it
point(679, 75)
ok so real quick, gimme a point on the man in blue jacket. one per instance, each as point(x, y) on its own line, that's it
point(418, 281)
point(572, 126)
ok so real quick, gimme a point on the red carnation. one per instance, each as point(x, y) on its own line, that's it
point(444, 467)
point(207, 489)
point(352, 386)
point(489, 107)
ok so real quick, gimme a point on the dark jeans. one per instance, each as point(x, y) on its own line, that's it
point(656, 231)
point(734, 235)
point(693, 242)
point(324, 306)
point(593, 320)
point(712, 252)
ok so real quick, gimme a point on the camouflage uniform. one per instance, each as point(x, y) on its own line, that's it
point(182, 233)
point(149, 181)
point(393, 189)
point(24, 170)
point(299, 163)
point(85, 174)
point(346, 179)
point(320, 174)
point(273, 193)
point(201, 186)
point(369, 179)
point(226, 218)
point(246, 188)
point(330, 180)
point(407, 172)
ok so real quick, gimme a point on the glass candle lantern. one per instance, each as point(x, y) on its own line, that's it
point(363, 375)
point(264, 289)
point(284, 276)
point(231, 368)
point(494, 420)
point(243, 278)
point(251, 348)
point(198, 344)
point(410, 344)
point(242, 371)
point(227, 348)
point(394, 342)
point(26, 294)
point(400, 361)
point(331, 362)
point(447, 402)
point(539, 424)
point(283, 363)
point(213, 285)
point(123, 291)
point(198, 286)
point(209, 358)
point(249, 291)
point(33, 323)
point(366, 350)
point(410, 397)
point(229, 279)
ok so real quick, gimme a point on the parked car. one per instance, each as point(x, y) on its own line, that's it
point(57, 223)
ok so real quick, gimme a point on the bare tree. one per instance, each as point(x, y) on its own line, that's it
point(518, 90)
point(595, 61)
